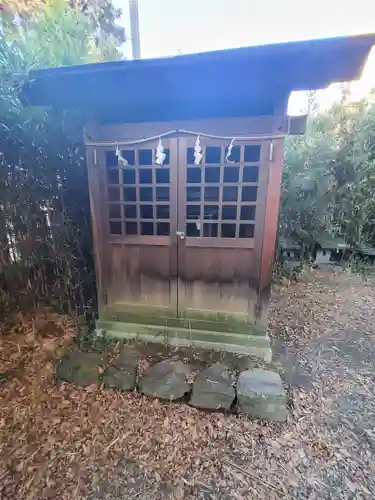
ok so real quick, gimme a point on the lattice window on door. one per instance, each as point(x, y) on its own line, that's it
point(138, 193)
point(221, 195)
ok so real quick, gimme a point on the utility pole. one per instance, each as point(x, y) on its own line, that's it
point(134, 29)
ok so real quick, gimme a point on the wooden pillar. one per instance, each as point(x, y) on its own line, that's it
point(98, 220)
point(271, 216)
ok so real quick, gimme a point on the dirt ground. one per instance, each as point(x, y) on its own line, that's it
point(59, 441)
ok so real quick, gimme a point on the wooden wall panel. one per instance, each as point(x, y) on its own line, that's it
point(140, 275)
point(222, 265)
point(217, 279)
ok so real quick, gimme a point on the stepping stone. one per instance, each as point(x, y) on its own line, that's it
point(166, 380)
point(213, 388)
point(81, 368)
point(261, 394)
point(122, 372)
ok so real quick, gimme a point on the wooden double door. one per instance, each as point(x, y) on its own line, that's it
point(183, 240)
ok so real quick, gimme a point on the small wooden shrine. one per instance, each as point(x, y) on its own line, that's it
point(185, 156)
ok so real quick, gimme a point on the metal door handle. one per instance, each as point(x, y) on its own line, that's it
point(181, 234)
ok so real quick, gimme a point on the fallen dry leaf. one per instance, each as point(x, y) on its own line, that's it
point(59, 441)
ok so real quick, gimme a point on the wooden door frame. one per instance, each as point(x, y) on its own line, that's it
point(103, 240)
point(254, 244)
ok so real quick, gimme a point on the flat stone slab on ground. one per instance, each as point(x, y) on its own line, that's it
point(261, 394)
point(213, 388)
point(81, 368)
point(166, 380)
point(122, 372)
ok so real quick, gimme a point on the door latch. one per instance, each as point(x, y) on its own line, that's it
point(181, 234)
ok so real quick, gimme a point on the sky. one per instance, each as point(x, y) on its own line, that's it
point(170, 27)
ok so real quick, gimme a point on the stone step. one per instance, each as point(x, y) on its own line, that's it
point(122, 372)
point(261, 394)
point(213, 388)
point(256, 392)
point(81, 368)
point(166, 380)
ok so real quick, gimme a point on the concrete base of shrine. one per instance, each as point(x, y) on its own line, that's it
point(252, 344)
